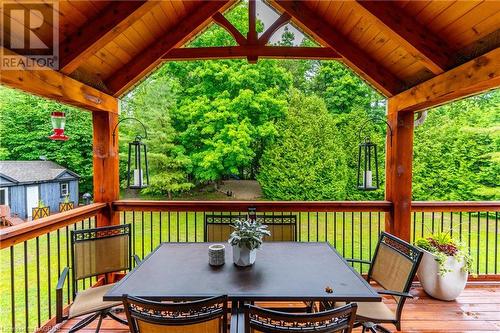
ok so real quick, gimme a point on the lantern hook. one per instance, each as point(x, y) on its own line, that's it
point(137, 136)
point(374, 120)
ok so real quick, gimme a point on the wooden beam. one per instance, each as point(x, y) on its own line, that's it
point(360, 61)
point(144, 62)
point(399, 158)
point(105, 162)
point(419, 41)
point(281, 21)
point(50, 84)
point(252, 36)
point(473, 77)
point(86, 41)
point(223, 22)
point(236, 52)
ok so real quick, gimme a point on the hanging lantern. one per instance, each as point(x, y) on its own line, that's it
point(368, 164)
point(58, 120)
point(136, 151)
point(137, 166)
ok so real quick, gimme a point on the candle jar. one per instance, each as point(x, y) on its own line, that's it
point(216, 254)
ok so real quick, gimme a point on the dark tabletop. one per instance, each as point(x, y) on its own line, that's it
point(282, 271)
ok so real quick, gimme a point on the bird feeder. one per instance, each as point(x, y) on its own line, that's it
point(58, 119)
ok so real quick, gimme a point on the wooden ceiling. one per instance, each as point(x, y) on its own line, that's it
point(393, 45)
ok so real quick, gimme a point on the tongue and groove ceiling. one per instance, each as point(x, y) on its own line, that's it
point(393, 45)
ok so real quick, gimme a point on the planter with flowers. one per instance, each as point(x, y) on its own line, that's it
point(246, 239)
point(40, 211)
point(445, 266)
point(66, 204)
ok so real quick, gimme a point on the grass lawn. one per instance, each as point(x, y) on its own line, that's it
point(353, 234)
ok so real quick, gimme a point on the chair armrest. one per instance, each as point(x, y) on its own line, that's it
point(359, 261)
point(136, 259)
point(395, 293)
point(59, 295)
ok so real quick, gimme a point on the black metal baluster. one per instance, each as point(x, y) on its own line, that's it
point(161, 236)
point(343, 234)
point(352, 234)
point(26, 304)
point(469, 233)
point(317, 226)
point(451, 224)
point(308, 226)
point(169, 230)
point(335, 230)
point(496, 242)
point(432, 219)
point(48, 276)
point(151, 231)
point(142, 233)
point(442, 221)
point(423, 224)
point(478, 239)
point(300, 226)
point(326, 226)
point(187, 229)
point(178, 227)
point(195, 228)
point(37, 242)
point(487, 242)
point(414, 225)
point(12, 290)
point(460, 227)
point(378, 224)
point(370, 235)
point(360, 240)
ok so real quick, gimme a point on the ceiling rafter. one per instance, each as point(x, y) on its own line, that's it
point(223, 22)
point(421, 43)
point(360, 61)
point(129, 74)
point(102, 29)
point(261, 51)
point(281, 21)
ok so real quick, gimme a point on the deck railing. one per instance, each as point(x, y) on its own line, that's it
point(33, 254)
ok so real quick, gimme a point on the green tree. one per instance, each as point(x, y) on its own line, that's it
point(25, 126)
point(306, 161)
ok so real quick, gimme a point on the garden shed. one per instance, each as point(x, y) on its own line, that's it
point(24, 183)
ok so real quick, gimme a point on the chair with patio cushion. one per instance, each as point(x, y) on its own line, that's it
point(334, 320)
point(393, 268)
point(95, 252)
point(206, 315)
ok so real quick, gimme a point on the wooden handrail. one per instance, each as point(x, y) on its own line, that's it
point(19, 233)
point(455, 206)
point(260, 206)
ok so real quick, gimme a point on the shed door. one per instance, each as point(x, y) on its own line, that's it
point(32, 197)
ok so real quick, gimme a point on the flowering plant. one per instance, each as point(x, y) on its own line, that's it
point(442, 246)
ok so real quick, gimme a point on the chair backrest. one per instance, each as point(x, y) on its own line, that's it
point(335, 320)
point(394, 264)
point(283, 227)
point(100, 250)
point(206, 315)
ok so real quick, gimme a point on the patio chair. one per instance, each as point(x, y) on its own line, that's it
point(283, 227)
point(393, 268)
point(94, 252)
point(207, 315)
point(334, 320)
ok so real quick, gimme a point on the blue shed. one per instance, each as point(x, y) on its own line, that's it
point(24, 183)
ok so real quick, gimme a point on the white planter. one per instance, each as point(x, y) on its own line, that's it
point(243, 256)
point(446, 287)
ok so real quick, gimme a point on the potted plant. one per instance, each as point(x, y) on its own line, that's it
point(40, 211)
point(66, 204)
point(245, 240)
point(445, 266)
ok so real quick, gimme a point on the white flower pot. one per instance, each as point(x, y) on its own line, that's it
point(243, 256)
point(446, 287)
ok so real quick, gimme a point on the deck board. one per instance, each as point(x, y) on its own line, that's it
point(476, 310)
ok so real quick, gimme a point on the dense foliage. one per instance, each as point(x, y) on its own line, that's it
point(293, 125)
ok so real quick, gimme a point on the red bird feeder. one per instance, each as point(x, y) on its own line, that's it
point(58, 120)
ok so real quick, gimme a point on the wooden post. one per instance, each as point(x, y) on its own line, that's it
point(106, 162)
point(399, 158)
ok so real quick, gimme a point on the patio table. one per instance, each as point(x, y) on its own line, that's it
point(283, 271)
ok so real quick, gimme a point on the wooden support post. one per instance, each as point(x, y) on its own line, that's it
point(399, 158)
point(106, 162)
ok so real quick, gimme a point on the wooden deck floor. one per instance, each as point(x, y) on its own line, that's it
point(476, 310)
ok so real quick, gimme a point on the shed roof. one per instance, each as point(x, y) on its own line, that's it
point(33, 171)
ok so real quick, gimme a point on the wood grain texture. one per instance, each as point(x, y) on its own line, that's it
point(473, 77)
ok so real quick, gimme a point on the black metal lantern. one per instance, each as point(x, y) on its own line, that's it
point(368, 164)
point(136, 150)
point(137, 166)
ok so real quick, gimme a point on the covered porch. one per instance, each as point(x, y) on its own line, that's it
point(417, 58)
